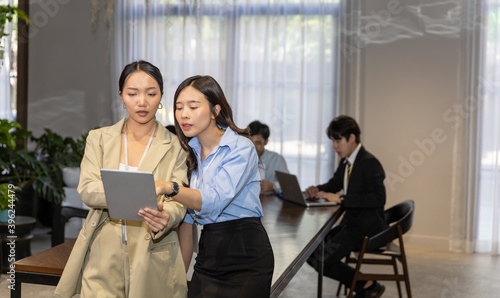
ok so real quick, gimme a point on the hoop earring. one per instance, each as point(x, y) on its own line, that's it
point(160, 106)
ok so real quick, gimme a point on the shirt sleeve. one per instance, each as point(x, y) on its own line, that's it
point(336, 183)
point(235, 170)
point(188, 218)
point(281, 164)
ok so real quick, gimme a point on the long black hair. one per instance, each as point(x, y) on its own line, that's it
point(212, 91)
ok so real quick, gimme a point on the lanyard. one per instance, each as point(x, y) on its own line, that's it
point(124, 230)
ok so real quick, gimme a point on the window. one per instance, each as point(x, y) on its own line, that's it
point(276, 62)
point(8, 73)
point(488, 223)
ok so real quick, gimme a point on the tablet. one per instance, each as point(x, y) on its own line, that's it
point(128, 192)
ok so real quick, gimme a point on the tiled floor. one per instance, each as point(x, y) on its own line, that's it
point(433, 273)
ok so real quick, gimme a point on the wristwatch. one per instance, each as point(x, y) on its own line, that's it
point(175, 189)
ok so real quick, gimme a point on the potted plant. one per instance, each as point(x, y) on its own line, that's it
point(7, 200)
point(62, 157)
point(20, 167)
point(75, 148)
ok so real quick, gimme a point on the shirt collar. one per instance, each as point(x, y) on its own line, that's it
point(353, 155)
point(228, 139)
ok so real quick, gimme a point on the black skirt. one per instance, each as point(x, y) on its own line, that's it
point(235, 259)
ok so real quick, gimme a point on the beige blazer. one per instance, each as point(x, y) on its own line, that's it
point(166, 159)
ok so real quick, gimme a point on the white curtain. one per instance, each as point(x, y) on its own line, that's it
point(275, 60)
point(488, 224)
point(5, 69)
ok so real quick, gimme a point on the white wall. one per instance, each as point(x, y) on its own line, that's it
point(69, 78)
point(409, 80)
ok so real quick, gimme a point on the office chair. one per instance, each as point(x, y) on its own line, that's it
point(400, 219)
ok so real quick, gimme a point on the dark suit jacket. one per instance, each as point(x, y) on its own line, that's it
point(365, 198)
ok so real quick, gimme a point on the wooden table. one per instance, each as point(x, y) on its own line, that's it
point(19, 236)
point(294, 231)
point(43, 268)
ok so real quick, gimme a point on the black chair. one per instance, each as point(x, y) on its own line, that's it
point(400, 219)
point(61, 216)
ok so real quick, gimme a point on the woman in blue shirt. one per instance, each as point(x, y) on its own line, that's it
point(235, 257)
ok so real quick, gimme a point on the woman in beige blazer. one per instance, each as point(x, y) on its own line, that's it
point(113, 258)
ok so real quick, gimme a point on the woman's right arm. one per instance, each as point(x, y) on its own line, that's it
point(90, 187)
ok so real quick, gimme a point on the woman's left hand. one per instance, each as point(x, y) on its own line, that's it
point(156, 220)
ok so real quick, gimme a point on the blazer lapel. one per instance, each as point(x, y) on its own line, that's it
point(112, 145)
point(342, 166)
point(158, 149)
point(359, 158)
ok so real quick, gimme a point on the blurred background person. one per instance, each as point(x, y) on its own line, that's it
point(269, 161)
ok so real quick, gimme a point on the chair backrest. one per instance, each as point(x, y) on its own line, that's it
point(398, 215)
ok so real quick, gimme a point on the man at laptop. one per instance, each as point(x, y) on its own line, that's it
point(269, 161)
point(360, 175)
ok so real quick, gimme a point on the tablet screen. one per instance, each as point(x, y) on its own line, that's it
point(128, 192)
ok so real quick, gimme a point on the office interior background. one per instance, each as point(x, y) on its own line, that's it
point(419, 76)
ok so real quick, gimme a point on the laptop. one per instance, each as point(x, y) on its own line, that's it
point(291, 191)
point(128, 192)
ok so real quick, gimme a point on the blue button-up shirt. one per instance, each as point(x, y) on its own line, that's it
point(228, 180)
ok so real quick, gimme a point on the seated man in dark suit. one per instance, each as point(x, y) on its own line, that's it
point(360, 175)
